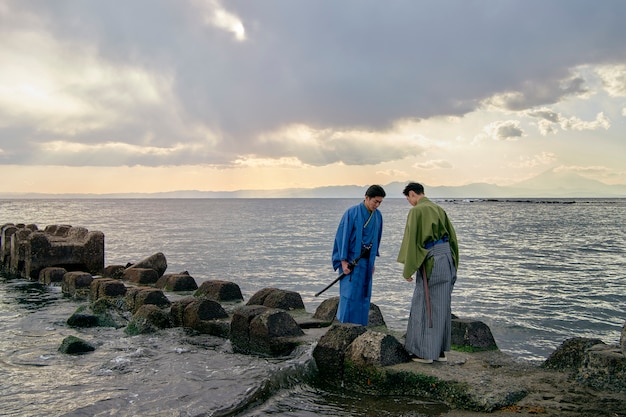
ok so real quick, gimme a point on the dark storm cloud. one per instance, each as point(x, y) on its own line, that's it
point(348, 65)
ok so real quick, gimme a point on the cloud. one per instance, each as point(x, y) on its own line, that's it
point(613, 79)
point(434, 164)
point(574, 123)
point(393, 173)
point(504, 130)
point(103, 153)
point(534, 93)
point(546, 127)
point(309, 82)
point(551, 120)
point(252, 161)
point(215, 14)
point(68, 91)
point(546, 114)
point(541, 159)
point(581, 169)
point(350, 147)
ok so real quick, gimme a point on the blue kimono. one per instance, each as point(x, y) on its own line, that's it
point(356, 230)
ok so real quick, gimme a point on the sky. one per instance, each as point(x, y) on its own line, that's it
point(163, 95)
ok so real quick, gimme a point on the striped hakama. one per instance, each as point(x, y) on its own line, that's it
point(421, 340)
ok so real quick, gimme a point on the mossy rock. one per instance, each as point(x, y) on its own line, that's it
point(73, 345)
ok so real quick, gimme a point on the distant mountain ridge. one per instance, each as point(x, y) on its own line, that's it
point(550, 184)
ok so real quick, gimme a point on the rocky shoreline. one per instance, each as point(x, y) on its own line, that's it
point(583, 377)
point(487, 382)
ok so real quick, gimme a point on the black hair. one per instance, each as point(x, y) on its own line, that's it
point(375, 191)
point(413, 186)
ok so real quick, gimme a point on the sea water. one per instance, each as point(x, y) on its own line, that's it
point(537, 272)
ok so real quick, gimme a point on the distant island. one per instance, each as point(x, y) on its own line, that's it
point(546, 185)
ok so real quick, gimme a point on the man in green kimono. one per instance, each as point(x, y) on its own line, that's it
point(430, 251)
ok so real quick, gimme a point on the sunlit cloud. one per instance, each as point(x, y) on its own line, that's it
point(117, 147)
point(504, 130)
point(215, 14)
point(68, 89)
point(393, 173)
point(546, 127)
point(433, 164)
point(613, 78)
point(251, 161)
point(551, 120)
point(351, 147)
point(574, 123)
point(581, 169)
point(545, 114)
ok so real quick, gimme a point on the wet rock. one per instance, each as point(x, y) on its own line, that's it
point(327, 311)
point(376, 349)
point(277, 298)
point(138, 296)
point(473, 334)
point(18, 244)
point(104, 312)
point(259, 297)
point(111, 312)
point(375, 317)
point(240, 327)
point(73, 248)
point(141, 276)
point(201, 314)
point(603, 368)
point(114, 271)
point(76, 284)
point(571, 354)
point(622, 339)
point(178, 309)
point(106, 287)
point(264, 331)
point(82, 320)
point(148, 319)
point(156, 261)
point(329, 353)
point(73, 345)
point(51, 274)
point(60, 230)
point(220, 290)
point(8, 230)
point(177, 282)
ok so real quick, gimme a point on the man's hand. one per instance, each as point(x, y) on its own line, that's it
point(345, 267)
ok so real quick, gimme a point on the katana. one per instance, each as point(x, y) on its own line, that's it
point(351, 265)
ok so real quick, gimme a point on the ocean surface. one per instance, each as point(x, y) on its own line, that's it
point(537, 272)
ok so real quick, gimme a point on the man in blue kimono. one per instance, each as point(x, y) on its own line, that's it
point(358, 234)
